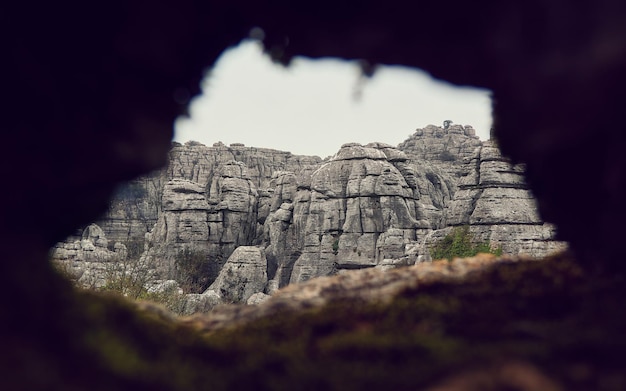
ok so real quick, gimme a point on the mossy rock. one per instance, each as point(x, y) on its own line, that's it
point(548, 316)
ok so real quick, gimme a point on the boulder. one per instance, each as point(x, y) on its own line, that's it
point(197, 303)
point(243, 274)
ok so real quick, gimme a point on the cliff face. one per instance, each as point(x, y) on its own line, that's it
point(368, 206)
point(138, 204)
point(362, 207)
point(495, 201)
point(447, 147)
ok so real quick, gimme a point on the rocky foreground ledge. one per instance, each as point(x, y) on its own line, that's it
point(362, 287)
point(481, 323)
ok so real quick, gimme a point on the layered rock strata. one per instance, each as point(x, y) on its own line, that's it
point(367, 285)
point(361, 210)
point(448, 146)
point(362, 206)
point(89, 261)
point(203, 222)
point(136, 205)
point(494, 200)
point(368, 206)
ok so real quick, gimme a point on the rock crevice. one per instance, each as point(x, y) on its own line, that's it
point(368, 206)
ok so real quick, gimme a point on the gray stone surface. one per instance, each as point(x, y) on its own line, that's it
point(194, 303)
point(88, 261)
point(257, 298)
point(181, 229)
point(494, 200)
point(244, 274)
point(368, 206)
point(361, 208)
point(448, 148)
point(138, 204)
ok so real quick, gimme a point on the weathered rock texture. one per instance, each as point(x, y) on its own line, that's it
point(367, 206)
point(365, 286)
point(108, 82)
point(213, 200)
point(181, 228)
point(137, 204)
point(133, 210)
point(243, 275)
point(89, 261)
point(361, 210)
point(448, 146)
point(495, 201)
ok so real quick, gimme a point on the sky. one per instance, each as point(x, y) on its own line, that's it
point(313, 107)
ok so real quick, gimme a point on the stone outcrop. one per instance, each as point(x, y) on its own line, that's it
point(133, 210)
point(194, 303)
point(368, 206)
point(359, 209)
point(199, 163)
point(494, 200)
point(203, 222)
point(355, 210)
point(103, 91)
point(368, 285)
point(89, 261)
point(243, 275)
point(182, 227)
point(448, 146)
point(136, 205)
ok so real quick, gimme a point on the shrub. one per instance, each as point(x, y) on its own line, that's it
point(170, 299)
point(336, 246)
point(193, 270)
point(127, 277)
point(447, 156)
point(460, 243)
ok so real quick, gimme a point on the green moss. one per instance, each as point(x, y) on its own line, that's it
point(461, 244)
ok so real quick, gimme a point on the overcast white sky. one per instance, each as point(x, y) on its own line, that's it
point(311, 107)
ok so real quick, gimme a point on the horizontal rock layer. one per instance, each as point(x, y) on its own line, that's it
point(368, 206)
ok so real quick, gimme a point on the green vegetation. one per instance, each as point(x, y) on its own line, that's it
point(129, 278)
point(336, 246)
point(460, 243)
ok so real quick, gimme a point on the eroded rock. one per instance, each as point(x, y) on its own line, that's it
point(244, 274)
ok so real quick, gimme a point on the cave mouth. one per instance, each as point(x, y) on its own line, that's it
point(312, 107)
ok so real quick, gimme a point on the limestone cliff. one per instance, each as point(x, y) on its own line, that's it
point(361, 209)
point(137, 204)
point(448, 146)
point(367, 206)
point(495, 201)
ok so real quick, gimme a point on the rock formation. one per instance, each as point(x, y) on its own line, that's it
point(243, 275)
point(446, 146)
point(137, 204)
point(182, 227)
point(88, 261)
point(367, 206)
point(211, 207)
point(133, 211)
point(495, 201)
point(361, 210)
point(106, 84)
